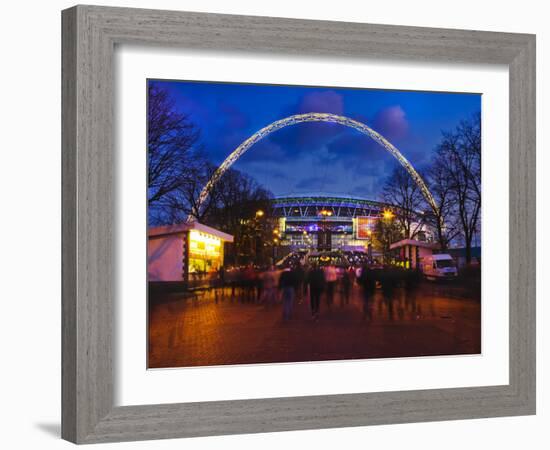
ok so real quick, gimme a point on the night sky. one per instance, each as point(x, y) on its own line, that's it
point(319, 157)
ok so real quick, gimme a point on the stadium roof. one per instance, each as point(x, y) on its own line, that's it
point(324, 195)
point(326, 199)
point(306, 205)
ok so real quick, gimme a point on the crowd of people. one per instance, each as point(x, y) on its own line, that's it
point(298, 284)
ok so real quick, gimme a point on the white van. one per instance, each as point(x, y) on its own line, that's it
point(438, 267)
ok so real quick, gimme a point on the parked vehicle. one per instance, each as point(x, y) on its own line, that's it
point(439, 267)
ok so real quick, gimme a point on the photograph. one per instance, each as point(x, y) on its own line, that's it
point(249, 225)
point(311, 223)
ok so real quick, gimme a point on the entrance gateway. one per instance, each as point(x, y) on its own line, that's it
point(347, 224)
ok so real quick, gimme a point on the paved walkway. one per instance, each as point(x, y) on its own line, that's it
point(216, 329)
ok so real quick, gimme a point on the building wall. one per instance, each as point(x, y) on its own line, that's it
point(165, 258)
point(423, 253)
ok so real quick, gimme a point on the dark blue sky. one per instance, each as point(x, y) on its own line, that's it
point(319, 157)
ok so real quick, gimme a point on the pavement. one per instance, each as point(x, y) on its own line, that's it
point(216, 328)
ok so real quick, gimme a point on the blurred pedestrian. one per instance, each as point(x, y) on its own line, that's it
point(348, 279)
point(249, 279)
point(269, 283)
point(299, 277)
point(367, 282)
point(331, 277)
point(389, 281)
point(287, 284)
point(316, 282)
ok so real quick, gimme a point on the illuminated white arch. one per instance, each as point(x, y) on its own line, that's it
point(313, 117)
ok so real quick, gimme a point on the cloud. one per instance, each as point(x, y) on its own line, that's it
point(292, 158)
point(360, 153)
point(234, 118)
point(313, 183)
point(391, 123)
point(263, 151)
point(364, 155)
point(321, 101)
point(265, 171)
point(369, 189)
point(352, 145)
point(308, 137)
point(288, 142)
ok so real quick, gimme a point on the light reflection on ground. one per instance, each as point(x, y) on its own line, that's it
point(216, 329)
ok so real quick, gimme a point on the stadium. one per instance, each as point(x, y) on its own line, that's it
point(331, 222)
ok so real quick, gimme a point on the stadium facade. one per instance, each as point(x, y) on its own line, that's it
point(331, 222)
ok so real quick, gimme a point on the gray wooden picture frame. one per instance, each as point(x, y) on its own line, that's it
point(90, 34)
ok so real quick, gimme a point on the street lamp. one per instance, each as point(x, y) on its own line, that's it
point(388, 214)
point(259, 213)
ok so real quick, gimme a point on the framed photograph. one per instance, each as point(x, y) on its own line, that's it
point(267, 230)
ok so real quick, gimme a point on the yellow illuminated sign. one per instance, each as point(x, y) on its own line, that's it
point(203, 244)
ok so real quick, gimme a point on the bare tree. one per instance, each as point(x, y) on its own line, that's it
point(443, 220)
point(387, 231)
point(402, 192)
point(173, 153)
point(237, 197)
point(236, 201)
point(459, 161)
point(182, 203)
point(178, 170)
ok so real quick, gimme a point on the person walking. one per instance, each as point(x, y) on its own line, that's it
point(269, 283)
point(348, 279)
point(316, 282)
point(389, 282)
point(299, 276)
point(331, 277)
point(367, 282)
point(249, 280)
point(287, 285)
